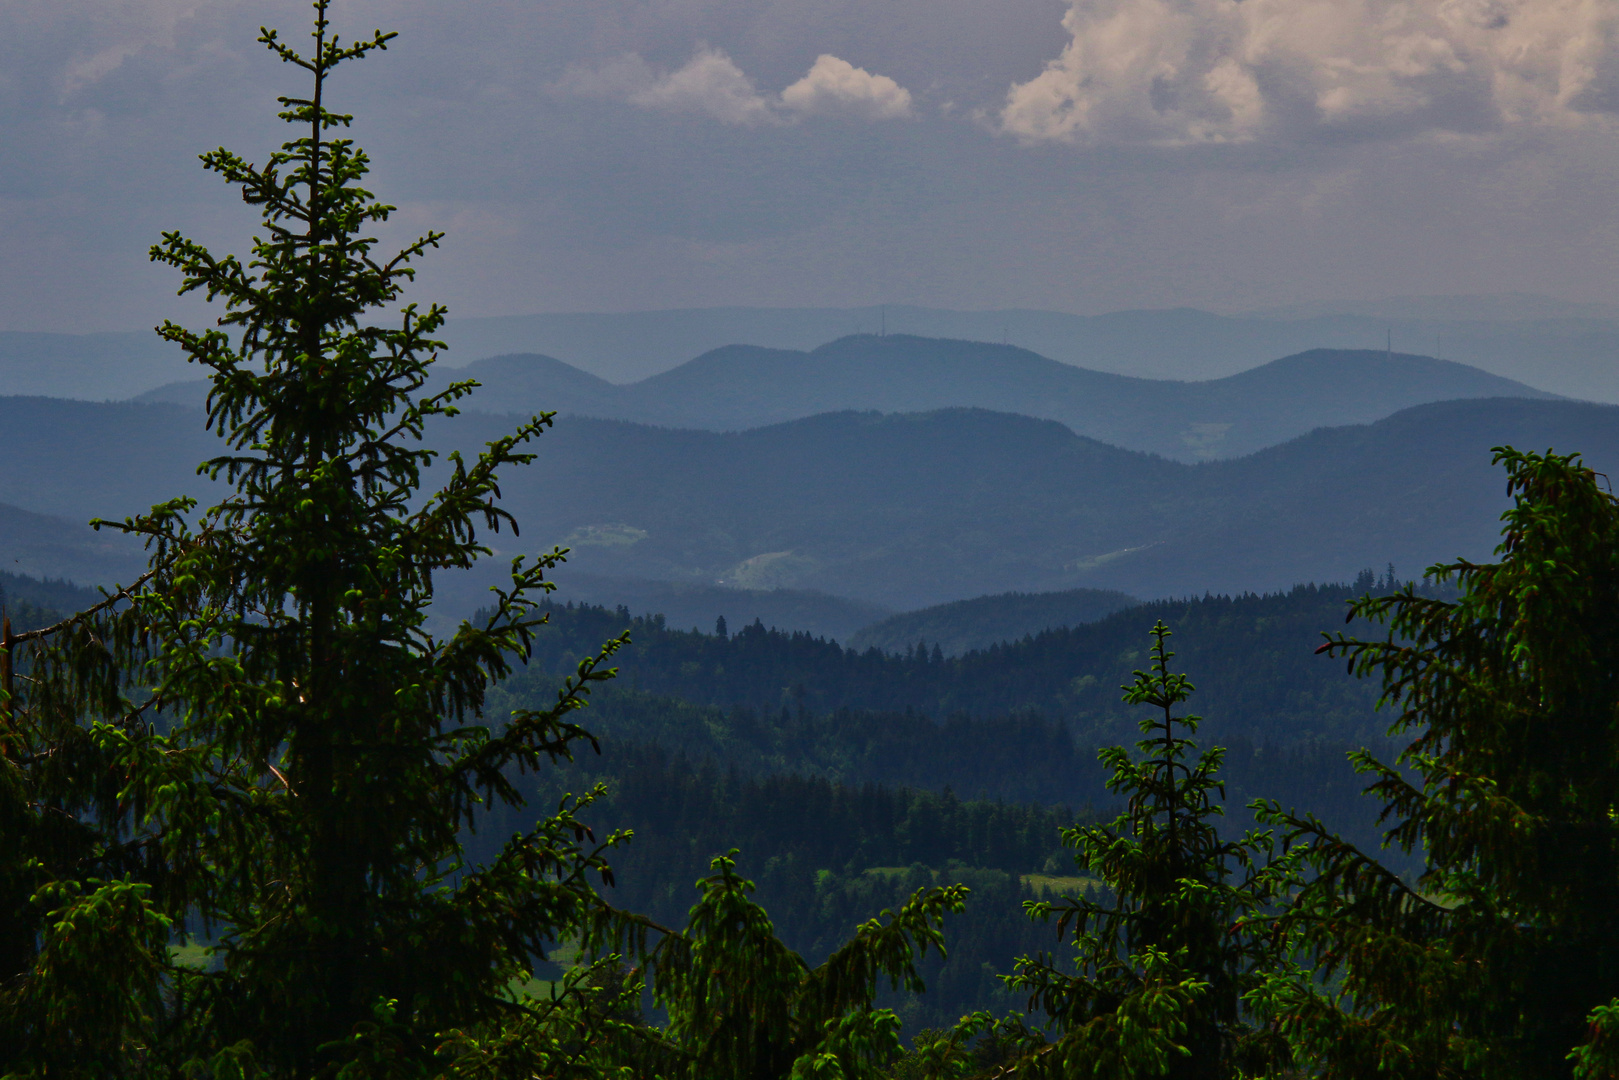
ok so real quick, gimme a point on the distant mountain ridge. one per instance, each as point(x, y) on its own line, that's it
point(917, 509)
point(743, 386)
point(740, 387)
point(1557, 346)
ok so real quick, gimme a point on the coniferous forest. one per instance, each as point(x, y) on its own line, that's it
point(266, 813)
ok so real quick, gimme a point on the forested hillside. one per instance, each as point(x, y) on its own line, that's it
point(841, 775)
point(909, 510)
point(1254, 657)
point(31, 602)
point(826, 855)
point(698, 604)
point(987, 620)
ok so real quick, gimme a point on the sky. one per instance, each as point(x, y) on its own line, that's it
point(616, 155)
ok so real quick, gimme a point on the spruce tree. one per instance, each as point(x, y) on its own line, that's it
point(1165, 955)
point(261, 739)
point(1502, 958)
point(744, 1006)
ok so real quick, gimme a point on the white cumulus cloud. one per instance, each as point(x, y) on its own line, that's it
point(711, 83)
point(1178, 72)
point(834, 87)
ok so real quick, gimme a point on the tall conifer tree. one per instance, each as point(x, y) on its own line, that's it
point(1163, 958)
point(1502, 958)
point(262, 737)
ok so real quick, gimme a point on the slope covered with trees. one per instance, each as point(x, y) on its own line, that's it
point(907, 511)
point(1259, 677)
point(983, 621)
point(826, 856)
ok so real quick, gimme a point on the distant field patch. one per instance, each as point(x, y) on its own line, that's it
point(1051, 885)
point(608, 536)
point(771, 570)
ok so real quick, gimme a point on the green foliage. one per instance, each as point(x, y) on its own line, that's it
point(830, 857)
point(587, 1026)
point(1505, 953)
point(1161, 967)
point(742, 1005)
point(92, 992)
point(1262, 680)
point(1598, 1057)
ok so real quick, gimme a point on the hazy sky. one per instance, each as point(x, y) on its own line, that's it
point(625, 154)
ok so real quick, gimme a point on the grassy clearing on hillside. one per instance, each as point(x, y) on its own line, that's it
point(1044, 885)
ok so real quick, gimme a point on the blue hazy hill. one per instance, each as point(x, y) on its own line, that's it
point(901, 510)
point(746, 386)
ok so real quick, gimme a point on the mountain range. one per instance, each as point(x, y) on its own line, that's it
point(743, 386)
point(1557, 346)
point(914, 509)
point(899, 511)
point(1563, 347)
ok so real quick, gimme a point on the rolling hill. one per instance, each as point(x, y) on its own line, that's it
point(740, 387)
point(743, 386)
point(1563, 347)
point(917, 509)
point(965, 625)
point(904, 511)
point(46, 548)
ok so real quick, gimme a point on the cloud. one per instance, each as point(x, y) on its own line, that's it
point(708, 83)
point(1180, 72)
point(711, 83)
point(836, 87)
